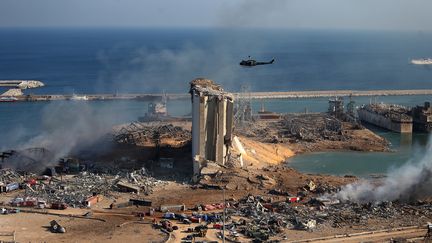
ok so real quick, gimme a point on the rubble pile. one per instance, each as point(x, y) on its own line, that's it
point(141, 179)
point(348, 214)
point(313, 132)
point(139, 133)
point(265, 219)
point(312, 127)
point(392, 111)
point(297, 127)
point(75, 190)
point(9, 175)
point(260, 218)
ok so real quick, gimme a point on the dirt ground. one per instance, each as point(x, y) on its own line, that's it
point(120, 225)
point(34, 227)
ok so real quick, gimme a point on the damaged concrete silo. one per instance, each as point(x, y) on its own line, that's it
point(212, 123)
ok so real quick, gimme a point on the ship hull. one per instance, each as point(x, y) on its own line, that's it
point(8, 99)
point(422, 62)
point(384, 122)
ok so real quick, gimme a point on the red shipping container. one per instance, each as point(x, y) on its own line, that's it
point(217, 226)
point(293, 199)
point(31, 182)
point(195, 220)
point(29, 204)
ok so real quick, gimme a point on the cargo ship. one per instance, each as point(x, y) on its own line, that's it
point(423, 61)
point(391, 117)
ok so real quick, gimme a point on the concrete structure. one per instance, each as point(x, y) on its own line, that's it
point(390, 117)
point(212, 123)
point(251, 95)
point(422, 118)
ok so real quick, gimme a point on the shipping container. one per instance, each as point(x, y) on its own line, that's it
point(12, 186)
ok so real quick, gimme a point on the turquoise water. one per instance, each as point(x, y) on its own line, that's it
point(406, 149)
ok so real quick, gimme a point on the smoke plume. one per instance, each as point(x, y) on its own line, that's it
point(67, 127)
point(156, 70)
point(410, 182)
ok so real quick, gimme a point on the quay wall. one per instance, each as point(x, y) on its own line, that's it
point(384, 122)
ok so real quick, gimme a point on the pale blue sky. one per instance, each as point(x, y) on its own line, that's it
point(317, 14)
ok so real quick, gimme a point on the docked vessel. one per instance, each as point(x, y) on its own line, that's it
point(8, 99)
point(156, 112)
point(391, 117)
point(423, 61)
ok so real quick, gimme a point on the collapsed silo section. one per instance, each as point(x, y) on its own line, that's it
point(212, 123)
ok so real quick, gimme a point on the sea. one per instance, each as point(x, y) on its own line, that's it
point(131, 60)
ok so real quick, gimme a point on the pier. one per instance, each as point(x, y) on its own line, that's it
point(251, 95)
point(335, 93)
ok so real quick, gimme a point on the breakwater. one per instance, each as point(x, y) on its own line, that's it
point(251, 95)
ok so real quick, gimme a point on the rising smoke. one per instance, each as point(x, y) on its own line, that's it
point(70, 127)
point(66, 128)
point(410, 182)
point(154, 69)
point(157, 70)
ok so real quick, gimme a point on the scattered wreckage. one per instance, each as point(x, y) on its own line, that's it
point(261, 218)
point(81, 190)
point(55, 227)
point(155, 133)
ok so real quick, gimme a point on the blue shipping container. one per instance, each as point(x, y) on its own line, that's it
point(12, 186)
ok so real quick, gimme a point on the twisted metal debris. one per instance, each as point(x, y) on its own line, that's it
point(139, 133)
point(75, 190)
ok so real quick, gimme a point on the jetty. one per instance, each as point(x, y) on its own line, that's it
point(16, 86)
point(249, 95)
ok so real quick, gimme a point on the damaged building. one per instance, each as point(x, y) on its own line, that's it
point(212, 123)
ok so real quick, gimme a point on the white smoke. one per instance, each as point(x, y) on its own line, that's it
point(157, 70)
point(67, 127)
point(412, 181)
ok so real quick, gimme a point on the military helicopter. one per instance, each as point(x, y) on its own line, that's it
point(251, 62)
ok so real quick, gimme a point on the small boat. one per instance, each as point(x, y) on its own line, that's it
point(8, 99)
point(423, 61)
